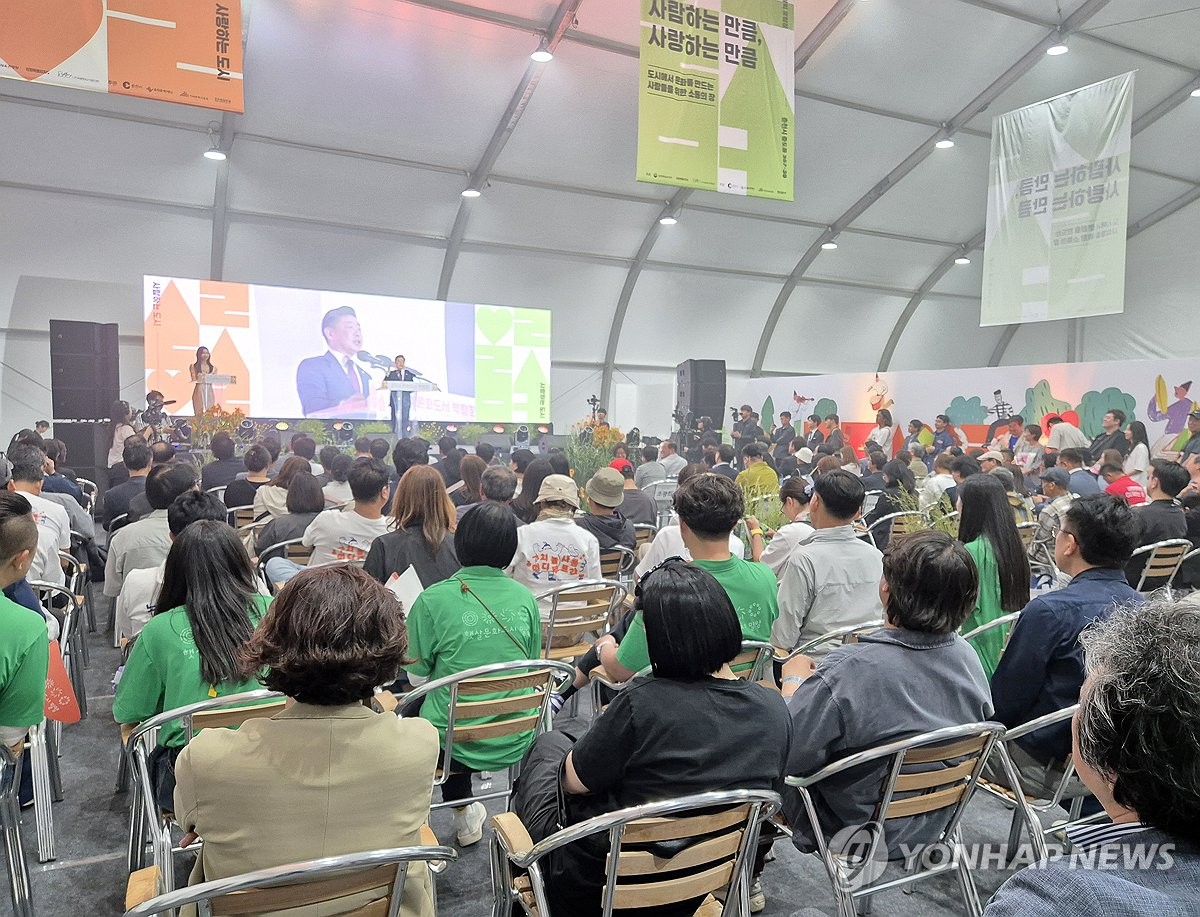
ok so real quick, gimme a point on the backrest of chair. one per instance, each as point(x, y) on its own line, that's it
point(227, 717)
point(931, 778)
point(118, 522)
point(47, 594)
point(387, 879)
point(616, 562)
point(298, 552)
point(579, 608)
point(218, 492)
point(1186, 563)
point(1027, 530)
point(1163, 560)
point(474, 718)
point(751, 663)
point(644, 533)
point(907, 523)
point(242, 515)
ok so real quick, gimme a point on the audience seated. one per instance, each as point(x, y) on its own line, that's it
point(1160, 519)
point(873, 473)
point(1134, 747)
point(831, 579)
point(305, 502)
point(271, 443)
point(913, 675)
point(637, 506)
point(53, 523)
point(692, 727)
point(1051, 504)
point(552, 550)
point(241, 491)
point(961, 468)
point(937, 483)
point(651, 469)
point(519, 463)
point(139, 506)
point(1137, 461)
point(224, 467)
point(139, 592)
point(327, 775)
point(899, 486)
point(326, 457)
point(449, 459)
point(270, 500)
point(57, 481)
point(339, 535)
point(1112, 437)
point(189, 649)
point(336, 490)
point(362, 447)
point(670, 459)
point(605, 493)
point(471, 469)
point(304, 446)
point(499, 485)
point(24, 642)
point(793, 499)
point(487, 452)
point(1042, 667)
point(422, 531)
point(136, 457)
point(1021, 506)
point(476, 617)
point(1083, 481)
point(525, 504)
point(987, 530)
point(709, 507)
point(724, 462)
point(1122, 485)
point(145, 543)
point(668, 542)
point(756, 478)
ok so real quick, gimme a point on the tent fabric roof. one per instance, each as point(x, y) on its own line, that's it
point(366, 118)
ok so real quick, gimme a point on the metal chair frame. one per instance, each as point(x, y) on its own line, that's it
point(14, 851)
point(1027, 530)
point(892, 519)
point(950, 837)
point(992, 625)
point(841, 635)
point(645, 533)
point(498, 670)
point(1190, 555)
point(147, 825)
point(47, 786)
point(760, 804)
point(562, 593)
point(265, 554)
point(80, 585)
point(218, 492)
point(625, 567)
point(662, 492)
point(90, 493)
point(1034, 807)
point(309, 871)
point(1171, 546)
point(70, 638)
point(123, 518)
point(870, 498)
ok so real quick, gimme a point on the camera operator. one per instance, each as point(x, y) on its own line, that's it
point(153, 417)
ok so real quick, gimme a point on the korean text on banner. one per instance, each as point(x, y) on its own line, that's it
point(185, 51)
point(1058, 203)
point(716, 104)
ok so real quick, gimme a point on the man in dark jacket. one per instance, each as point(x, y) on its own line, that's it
point(605, 492)
point(1162, 518)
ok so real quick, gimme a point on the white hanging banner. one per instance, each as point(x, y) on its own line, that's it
point(1058, 204)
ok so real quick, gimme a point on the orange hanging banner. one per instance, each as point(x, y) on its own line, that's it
point(185, 51)
point(61, 704)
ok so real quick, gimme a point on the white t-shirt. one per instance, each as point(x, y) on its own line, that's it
point(669, 543)
point(135, 604)
point(54, 535)
point(884, 436)
point(775, 554)
point(335, 536)
point(552, 552)
point(1066, 436)
point(117, 449)
point(337, 492)
point(1138, 463)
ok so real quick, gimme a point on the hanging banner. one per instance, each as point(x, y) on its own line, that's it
point(185, 51)
point(716, 106)
point(1058, 203)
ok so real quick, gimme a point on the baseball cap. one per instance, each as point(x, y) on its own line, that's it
point(556, 488)
point(622, 465)
point(1057, 476)
point(1194, 415)
point(607, 487)
point(804, 454)
point(993, 455)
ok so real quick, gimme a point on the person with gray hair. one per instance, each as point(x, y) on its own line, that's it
point(1134, 746)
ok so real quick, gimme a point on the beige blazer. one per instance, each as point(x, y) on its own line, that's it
point(309, 782)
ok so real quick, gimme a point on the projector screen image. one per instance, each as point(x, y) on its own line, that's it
point(311, 353)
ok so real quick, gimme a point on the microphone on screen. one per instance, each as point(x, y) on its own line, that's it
point(377, 360)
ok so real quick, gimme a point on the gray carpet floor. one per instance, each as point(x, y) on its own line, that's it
point(88, 876)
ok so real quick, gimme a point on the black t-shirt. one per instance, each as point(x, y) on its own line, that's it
point(241, 492)
point(660, 739)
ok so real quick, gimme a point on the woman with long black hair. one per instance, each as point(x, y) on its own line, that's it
point(188, 651)
point(988, 531)
point(1137, 462)
point(525, 505)
point(202, 394)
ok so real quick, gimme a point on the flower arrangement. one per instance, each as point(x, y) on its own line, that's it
point(213, 421)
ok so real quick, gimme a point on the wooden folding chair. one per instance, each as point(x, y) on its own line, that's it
point(491, 701)
point(1163, 560)
point(1191, 557)
point(617, 563)
point(896, 524)
point(241, 515)
point(576, 610)
point(1005, 621)
point(326, 881)
point(1027, 530)
point(934, 772)
point(723, 828)
point(644, 534)
point(10, 822)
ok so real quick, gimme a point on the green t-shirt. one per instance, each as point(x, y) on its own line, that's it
point(24, 659)
point(751, 587)
point(163, 672)
point(450, 631)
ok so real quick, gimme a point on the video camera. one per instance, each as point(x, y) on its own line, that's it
point(153, 415)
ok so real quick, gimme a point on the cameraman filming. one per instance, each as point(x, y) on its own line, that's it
point(152, 422)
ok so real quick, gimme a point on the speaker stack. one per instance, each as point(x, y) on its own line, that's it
point(84, 383)
point(701, 390)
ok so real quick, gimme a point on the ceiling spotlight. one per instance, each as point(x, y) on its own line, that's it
point(1059, 46)
point(1196, 93)
point(471, 192)
point(828, 246)
point(215, 154)
point(962, 259)
point(214, 151)
point(543, 54)
point(667, 221)
point(944, 144)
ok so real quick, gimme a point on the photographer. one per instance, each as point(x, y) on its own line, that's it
point(150, 422)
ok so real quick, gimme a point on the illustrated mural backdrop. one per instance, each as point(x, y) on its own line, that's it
point(1160, 393)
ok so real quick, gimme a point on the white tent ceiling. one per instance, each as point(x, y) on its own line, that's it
point(366, 118)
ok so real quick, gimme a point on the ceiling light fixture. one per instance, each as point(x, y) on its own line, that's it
point(668, 220)
point(944, 144)
point(1196, 93)
point(214, 152)
point(962, 259)
point(470, 193)
point(543, 54)
point(1059, 46)
point(828, 246)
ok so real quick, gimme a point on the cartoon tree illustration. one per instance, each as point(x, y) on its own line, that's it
point(1095, 405)
point(966, 410)
point(825, 407)
point(1040, 401)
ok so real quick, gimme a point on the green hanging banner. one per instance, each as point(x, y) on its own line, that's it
point(716, 105)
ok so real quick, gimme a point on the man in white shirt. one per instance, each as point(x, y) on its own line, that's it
point(937, 483)
point(671, 460)
point(54, 526)
point(140, 589)
point(831, 579)
point(145, 543)
point(336, 536)
point(1065, 435)
point(553, 550)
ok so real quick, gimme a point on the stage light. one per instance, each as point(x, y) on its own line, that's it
point(962, 260)
point(543, 428)
point(944, 144)
point(451, 428)
point(543, 54)
point(281, 425)
point(499, 428)
point(522, 436)
point(1196, 93)
point(215, 154)
point(828, 246)
point(470, 193)
point(668, 221)
point(1059, 47)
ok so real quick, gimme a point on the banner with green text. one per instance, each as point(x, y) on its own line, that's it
point(716, 107)
point(1058, 205)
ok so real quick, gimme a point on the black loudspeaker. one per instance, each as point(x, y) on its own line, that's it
point(87, 448)
point(701, 389)
point(84, 370)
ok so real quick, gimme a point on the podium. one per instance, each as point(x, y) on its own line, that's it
point(409, 386)
point(219, 379)
point(399, 405)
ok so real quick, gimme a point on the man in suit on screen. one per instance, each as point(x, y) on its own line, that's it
point(333, 385)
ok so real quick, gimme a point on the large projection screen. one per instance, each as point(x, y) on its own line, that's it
point(490, 363)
